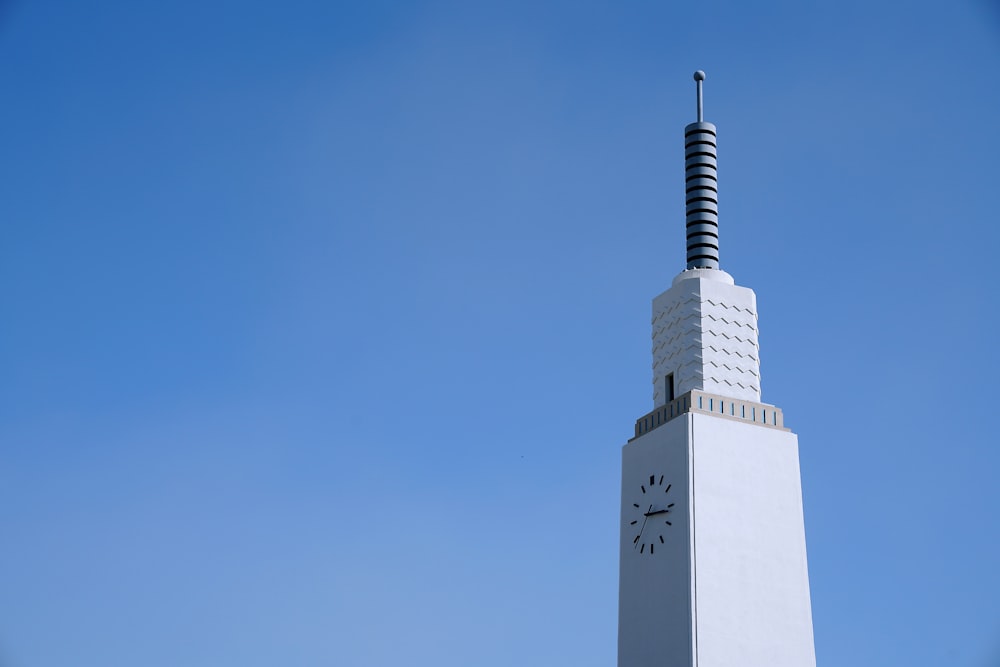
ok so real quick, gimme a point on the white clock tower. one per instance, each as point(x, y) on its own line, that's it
point(713, 550)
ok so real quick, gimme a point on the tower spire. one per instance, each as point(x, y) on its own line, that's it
point(702, 189)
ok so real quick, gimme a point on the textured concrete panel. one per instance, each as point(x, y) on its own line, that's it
point(705, 334)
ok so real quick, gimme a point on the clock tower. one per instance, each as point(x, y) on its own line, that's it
point(713, 552)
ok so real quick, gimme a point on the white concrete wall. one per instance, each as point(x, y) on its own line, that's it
point(752, 607)
point(705, 333)
point(654, 599)
point(730, 588)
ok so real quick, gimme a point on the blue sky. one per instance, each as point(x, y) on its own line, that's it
point(323, 323)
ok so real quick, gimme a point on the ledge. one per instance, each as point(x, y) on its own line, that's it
point(702, 402)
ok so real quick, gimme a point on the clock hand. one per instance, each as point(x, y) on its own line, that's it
point(649, 514)
point(641, 528)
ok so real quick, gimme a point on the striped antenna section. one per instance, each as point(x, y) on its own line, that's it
point(702, 190)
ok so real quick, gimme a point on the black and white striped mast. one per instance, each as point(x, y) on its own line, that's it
point(702, 190)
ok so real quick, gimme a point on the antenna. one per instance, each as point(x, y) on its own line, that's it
point(699, 76)
point(702, 190)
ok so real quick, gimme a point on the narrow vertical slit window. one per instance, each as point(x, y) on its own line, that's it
point(669, 382)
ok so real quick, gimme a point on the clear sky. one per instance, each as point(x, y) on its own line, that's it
point(322, 324)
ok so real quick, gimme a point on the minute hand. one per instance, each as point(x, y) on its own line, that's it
point(641, 528)
point(656, 512)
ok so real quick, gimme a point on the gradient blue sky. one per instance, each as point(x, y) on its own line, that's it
point(323, 323)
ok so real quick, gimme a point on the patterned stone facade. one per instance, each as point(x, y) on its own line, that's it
point(705, 336)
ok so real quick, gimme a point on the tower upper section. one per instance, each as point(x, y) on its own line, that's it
point(704, 326)
point(705, 337)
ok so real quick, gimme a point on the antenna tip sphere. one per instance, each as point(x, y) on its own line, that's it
point(699, 76)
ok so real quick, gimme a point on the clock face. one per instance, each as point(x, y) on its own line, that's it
point(651, 514)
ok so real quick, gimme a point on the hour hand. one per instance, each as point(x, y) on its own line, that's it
point(656, 512)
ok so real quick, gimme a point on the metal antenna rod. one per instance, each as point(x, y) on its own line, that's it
point(699, 76)
point(701, 187)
